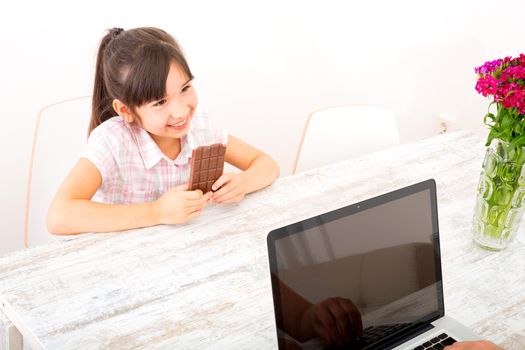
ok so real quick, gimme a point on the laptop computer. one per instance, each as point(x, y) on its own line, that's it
point(365, 276)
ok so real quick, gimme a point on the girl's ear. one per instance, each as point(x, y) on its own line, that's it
point(122, 110)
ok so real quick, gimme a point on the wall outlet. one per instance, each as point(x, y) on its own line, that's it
point(443, 127)
point(447, 122)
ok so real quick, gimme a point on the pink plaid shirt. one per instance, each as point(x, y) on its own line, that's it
point(133, 168)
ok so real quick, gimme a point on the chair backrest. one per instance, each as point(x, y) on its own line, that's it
point(60, 137)
point(343, 132)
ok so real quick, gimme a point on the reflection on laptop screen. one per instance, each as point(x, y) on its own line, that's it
point(379, 257)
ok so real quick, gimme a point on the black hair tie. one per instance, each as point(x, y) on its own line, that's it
point(116, 32)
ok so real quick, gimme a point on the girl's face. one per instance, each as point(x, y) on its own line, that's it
point(169, 118)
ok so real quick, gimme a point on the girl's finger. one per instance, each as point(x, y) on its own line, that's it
point(194, 215)
point(234, 199)
point(206, 196)
point(220, 181)
point(193, 195)
point(183, 187)
point(222, 191)
point(191, 208)
point(224, 196)
point(199, 202)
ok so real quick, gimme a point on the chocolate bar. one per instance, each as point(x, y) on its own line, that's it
point(207, 165)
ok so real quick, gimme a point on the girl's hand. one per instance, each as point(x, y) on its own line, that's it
point(179, 205)
point(231, 188)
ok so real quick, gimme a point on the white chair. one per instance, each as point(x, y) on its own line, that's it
point(343, 132)
point(60, 137)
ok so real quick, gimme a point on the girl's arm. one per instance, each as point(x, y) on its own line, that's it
point(72, 210)
point(259, 170)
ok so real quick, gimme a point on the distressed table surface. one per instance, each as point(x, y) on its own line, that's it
point(206, 284)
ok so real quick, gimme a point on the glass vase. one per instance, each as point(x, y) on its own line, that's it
point(500, 196)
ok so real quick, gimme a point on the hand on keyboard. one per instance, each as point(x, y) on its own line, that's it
point(474, 345)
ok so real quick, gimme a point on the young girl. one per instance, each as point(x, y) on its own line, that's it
point(135, 169)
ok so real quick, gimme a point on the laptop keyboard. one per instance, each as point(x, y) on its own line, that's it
point(370, 336)
point(437, 343)
point(373, 334)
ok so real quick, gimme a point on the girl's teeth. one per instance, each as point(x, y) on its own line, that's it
point(180, 124)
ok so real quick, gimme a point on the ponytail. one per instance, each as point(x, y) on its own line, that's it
point(102, 103)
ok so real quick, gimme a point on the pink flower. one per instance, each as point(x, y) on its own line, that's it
point(488, 67)
point(517, 100)
point(516, 72)
point(487, 85)
point(504, 79)
point(522, 60)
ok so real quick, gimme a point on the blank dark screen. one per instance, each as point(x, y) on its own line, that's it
point(381, 259)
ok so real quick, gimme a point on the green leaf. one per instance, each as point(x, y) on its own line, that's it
point(507, 125)
point(518, 142)
point(488, 116)
point(493, 134)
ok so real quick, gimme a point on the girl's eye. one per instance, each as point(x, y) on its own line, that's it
point(159, 103)
point(186, 88)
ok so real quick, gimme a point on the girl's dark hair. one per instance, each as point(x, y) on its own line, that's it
point(132, 66)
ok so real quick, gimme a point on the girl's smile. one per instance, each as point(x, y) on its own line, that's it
point(180, 125)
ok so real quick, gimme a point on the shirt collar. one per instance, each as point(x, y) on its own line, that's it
point(185, 151)
point(189, 142)
point(150, 151)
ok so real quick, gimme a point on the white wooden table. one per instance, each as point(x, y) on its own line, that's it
point(206, 284)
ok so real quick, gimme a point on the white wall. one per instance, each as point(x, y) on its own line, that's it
point(261, 67)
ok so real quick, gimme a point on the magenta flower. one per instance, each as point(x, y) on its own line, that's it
point(504, 80)
point(522, 60)
point(487, 85)
point(515, 72)
point(488, 67)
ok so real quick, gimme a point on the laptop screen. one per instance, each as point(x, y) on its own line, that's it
point(369, 267)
